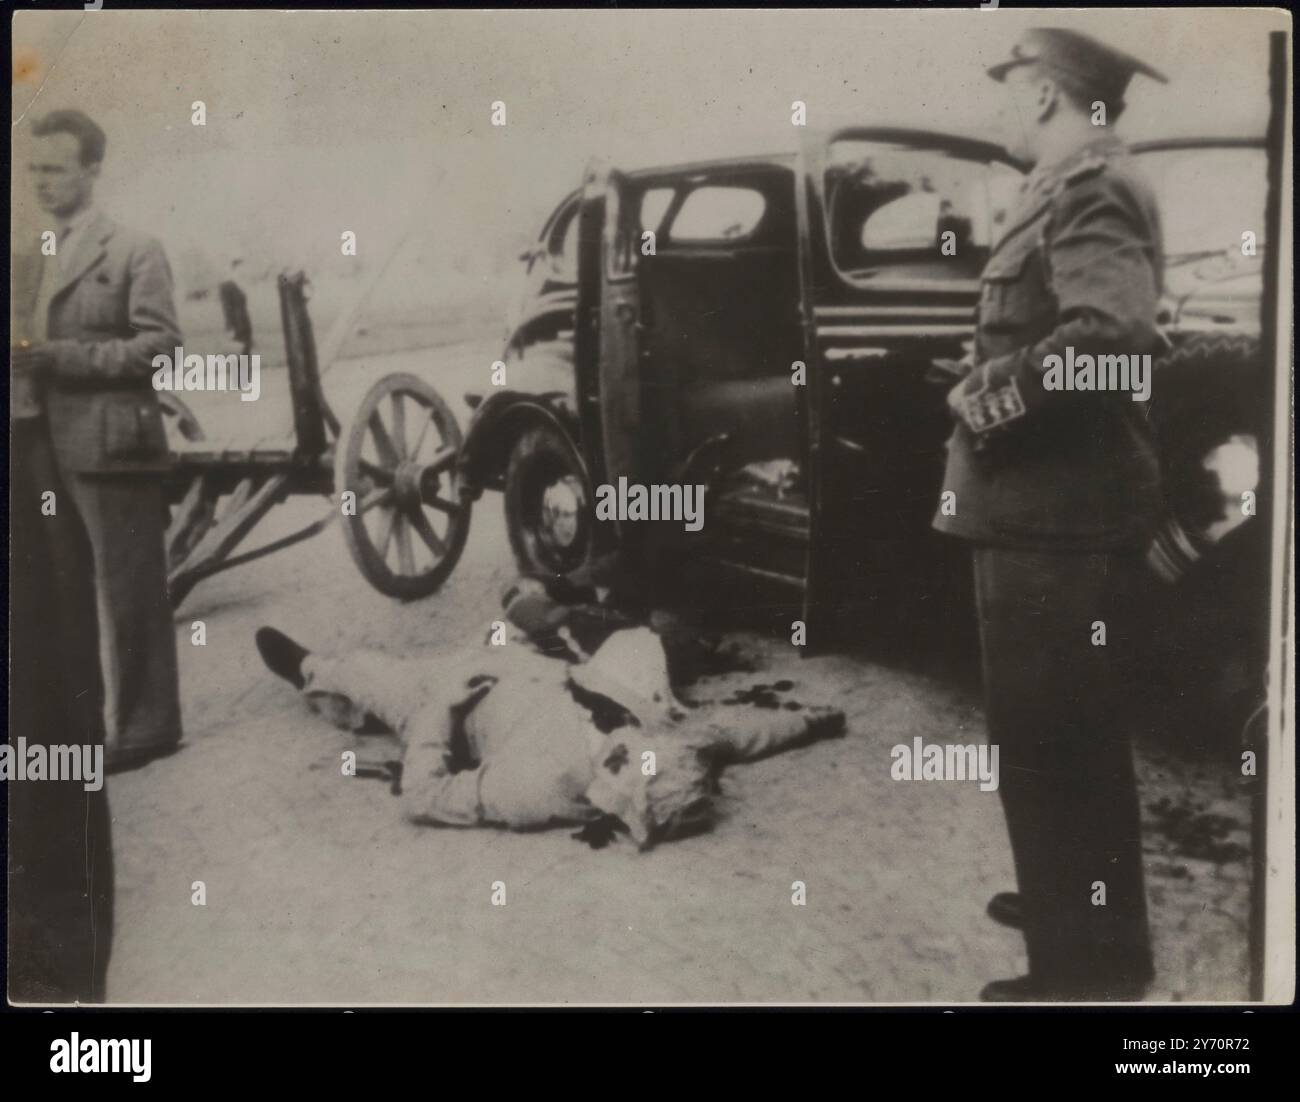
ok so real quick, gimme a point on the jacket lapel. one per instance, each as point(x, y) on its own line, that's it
point(86, 253)
point(27, 278)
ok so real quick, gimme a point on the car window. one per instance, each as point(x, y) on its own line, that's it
point(902, 211)
point(718, 213)
point(1207, 199)
point(564, 246)
point(654, 205)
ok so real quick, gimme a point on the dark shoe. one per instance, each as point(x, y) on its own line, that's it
point(1023, 989)
point(133, 757)
point(1005, 908)
point(1030, 989)
point(283, 657)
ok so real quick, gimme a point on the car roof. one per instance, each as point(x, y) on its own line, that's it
point(736, 151)
point(716, 164)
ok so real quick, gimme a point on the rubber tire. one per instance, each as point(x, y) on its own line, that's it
point(1204, 390)
point(1204, 648)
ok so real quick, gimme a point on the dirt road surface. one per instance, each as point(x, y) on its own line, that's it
point(318, 892)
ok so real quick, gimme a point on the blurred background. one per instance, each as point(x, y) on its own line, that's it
point(379, 123)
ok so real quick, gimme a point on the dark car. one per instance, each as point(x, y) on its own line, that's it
point(648, 364)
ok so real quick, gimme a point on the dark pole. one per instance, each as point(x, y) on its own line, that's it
point(1269, 307)
point(311, 414)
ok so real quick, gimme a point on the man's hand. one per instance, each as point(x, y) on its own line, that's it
point(31, 357)
point(971, 385)
point(957, 400)
point(943, 370)
point(946, 372)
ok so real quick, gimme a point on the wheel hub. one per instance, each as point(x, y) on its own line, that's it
point(562, 504)
point(407, 481)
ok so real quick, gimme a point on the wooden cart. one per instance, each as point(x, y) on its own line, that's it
point(389, 476)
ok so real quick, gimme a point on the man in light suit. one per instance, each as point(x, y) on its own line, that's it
point(92, 306)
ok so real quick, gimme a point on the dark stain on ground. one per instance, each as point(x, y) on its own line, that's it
point(765, 696)
point(1197, 833)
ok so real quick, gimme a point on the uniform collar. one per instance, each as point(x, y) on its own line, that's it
point(1041, 186)
point(1093, 152)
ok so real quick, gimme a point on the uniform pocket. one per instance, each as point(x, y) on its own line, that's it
point(1013, 293)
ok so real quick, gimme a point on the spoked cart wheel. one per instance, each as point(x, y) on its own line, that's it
point(398, 457)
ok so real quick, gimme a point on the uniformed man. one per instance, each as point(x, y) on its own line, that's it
point(1057, 492)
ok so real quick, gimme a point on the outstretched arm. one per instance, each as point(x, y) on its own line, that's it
point(748, 734)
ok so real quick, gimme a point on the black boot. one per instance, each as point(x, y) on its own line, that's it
point(1023, 989)
point(1031, 989)
point(1005, 908)
point(283, 657)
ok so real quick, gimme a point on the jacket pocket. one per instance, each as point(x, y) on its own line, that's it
point(100, 303)
point(133, 430)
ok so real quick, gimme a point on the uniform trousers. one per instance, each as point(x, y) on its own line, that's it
point(1056, 697)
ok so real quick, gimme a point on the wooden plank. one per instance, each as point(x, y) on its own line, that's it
point(246, 508)
point(191, 520)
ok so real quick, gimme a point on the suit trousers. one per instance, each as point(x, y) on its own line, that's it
point(60, 854)
point(1056, 697)
point(124, 515)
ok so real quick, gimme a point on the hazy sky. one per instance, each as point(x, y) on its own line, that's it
point(320, 121)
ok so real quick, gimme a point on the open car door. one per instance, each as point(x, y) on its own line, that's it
point(894, 229)
point(608, 333)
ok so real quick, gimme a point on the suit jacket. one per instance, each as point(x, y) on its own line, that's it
point(1079, 266)
point(110, 314)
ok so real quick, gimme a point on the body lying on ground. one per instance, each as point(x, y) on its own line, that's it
point(506, 735)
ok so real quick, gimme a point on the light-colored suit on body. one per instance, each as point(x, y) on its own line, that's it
point(110, 311)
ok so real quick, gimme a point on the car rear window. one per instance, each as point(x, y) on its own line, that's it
point(897, 210)
point(718, 213)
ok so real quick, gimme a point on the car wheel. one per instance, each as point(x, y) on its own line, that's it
point(548, 504)
point(1204, 392)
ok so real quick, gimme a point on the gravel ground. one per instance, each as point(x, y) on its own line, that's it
point(317, 891)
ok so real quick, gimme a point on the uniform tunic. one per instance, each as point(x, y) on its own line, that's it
point(1079, 266)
